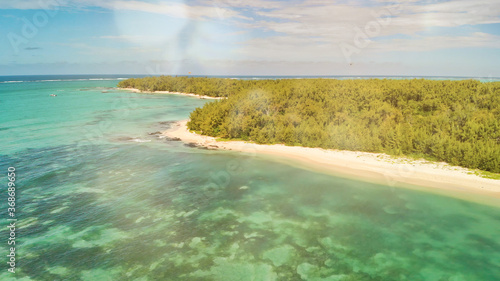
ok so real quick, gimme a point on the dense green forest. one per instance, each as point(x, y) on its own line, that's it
point(214, 87)
point(453, 121)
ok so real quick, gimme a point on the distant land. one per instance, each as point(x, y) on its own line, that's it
point(68, 77)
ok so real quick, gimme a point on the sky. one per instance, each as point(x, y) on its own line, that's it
point(254, 37)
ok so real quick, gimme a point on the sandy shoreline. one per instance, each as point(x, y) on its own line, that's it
point(432, 177)
point(172, 93)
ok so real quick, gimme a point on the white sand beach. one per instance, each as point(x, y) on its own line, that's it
point(436, 177)
point(172, 93)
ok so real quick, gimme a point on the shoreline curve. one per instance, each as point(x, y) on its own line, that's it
point(172, 93)
point(434, 177)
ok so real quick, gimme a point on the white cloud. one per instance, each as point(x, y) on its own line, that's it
point(332, 19)
point(259, 4)
point(328, 19)
point(420, 44)
point(311, 30)
point(314, 29)
point(173, 10)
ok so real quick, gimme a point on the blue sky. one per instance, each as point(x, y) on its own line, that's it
point(236, 37)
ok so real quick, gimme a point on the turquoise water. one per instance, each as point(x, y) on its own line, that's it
point(99, 198)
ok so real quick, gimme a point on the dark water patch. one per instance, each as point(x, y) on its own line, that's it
point(191, 144)
point(369, 210)
point(172, 139)
point(476, 264)
point(98, 119)
point(124, 139)
point(79, 258)
point(456, 222)
point(32, 267)
point(167, 124)
point(33, 229)
point(56, 176)
point(481, 243)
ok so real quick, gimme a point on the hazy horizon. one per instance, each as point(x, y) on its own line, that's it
point(127, 75)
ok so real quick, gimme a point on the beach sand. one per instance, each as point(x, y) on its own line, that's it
point(435, 177)
point(172, 93)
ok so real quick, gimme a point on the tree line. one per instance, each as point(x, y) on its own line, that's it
point(214, 87)
point(453, 121)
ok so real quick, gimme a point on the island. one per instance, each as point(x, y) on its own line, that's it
point(445, 133)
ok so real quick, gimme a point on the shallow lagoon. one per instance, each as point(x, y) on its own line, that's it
point(101, 199)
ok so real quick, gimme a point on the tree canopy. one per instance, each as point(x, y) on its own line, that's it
point(453, 121)
point(213, 87)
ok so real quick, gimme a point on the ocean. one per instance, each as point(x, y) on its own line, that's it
point(100, 196)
